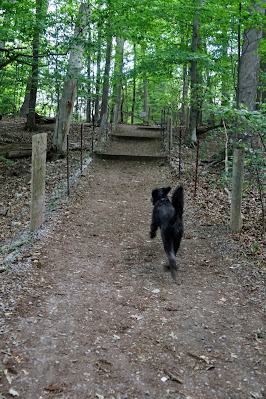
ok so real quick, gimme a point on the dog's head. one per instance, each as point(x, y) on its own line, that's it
point(159, 193)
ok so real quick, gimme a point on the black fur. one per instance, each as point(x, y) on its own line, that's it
point(168, 216)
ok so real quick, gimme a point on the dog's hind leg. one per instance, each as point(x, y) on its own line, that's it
point(173, 266)
point(169, 250)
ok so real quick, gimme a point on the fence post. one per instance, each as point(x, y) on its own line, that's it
point(197, 169)
point(67, 164)
point(81, 146)
point(170, 133)
point(237, 187)
point(37, 210)
point(92, 134)
point(179, 155)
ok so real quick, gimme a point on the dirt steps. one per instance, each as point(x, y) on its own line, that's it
point(140, 143)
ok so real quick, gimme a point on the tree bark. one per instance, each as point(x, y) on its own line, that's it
point(88, 105)
point(98, 79)
point(41, 7)
point(184, 97)
point(104, 105)
point(106, 77)
point(145, 92)
point(119, 71)
point(25, 106)
point(249, 65)
point(134, 86)
point(65, 110)
point(194, 78)
point(262, 96)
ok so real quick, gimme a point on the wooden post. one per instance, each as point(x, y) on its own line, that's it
point(68, 171)
point(37, 211)
point(237, 187)
point(170, 133)
point(149, 115)
point(92, 134)
point(81, 146)
point(197, 169)
point(179, 155)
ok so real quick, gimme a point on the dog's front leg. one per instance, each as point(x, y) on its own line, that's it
point(154, 227)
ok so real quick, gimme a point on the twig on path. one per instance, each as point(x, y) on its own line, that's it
point(174, 377)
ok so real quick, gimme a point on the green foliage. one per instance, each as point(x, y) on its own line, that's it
point(162, 33)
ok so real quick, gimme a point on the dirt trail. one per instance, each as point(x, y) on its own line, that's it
point(105, 320)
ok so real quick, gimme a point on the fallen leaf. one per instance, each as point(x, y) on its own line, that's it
point(8, 377)
point(172, 335)
point(13, 392)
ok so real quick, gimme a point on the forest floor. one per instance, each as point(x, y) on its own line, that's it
point(88, 312)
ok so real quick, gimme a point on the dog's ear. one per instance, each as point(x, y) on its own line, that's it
point(154, 195)
point(166, 190)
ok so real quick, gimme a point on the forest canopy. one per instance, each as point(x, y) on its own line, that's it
point(201, 60)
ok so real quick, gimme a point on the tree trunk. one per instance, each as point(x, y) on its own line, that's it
point(184, 109)
point(104, 104)
point(134, 87)
point(249, 65)
point(145, 92)
point(98, 79)
point(66, 105)
point(88, 105)
point(262, 96)
point(25, 106)
point(31, 125)
point(224, 74)
point(119, 66)
point(194, 78)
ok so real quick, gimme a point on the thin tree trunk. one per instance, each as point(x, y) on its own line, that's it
point(134, 87)
point(193, 76)
point(66, 105)
point(184, 97)
point(31, 125)
point(224, 87)
point(25, 106)
point(120, 52)
point(106, 77)
point(98, 79)
point(88, 105)
point(145, 92)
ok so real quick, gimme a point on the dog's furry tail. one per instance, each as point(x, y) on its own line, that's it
point(178, 200)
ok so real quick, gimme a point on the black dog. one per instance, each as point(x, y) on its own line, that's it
point(168, 216)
